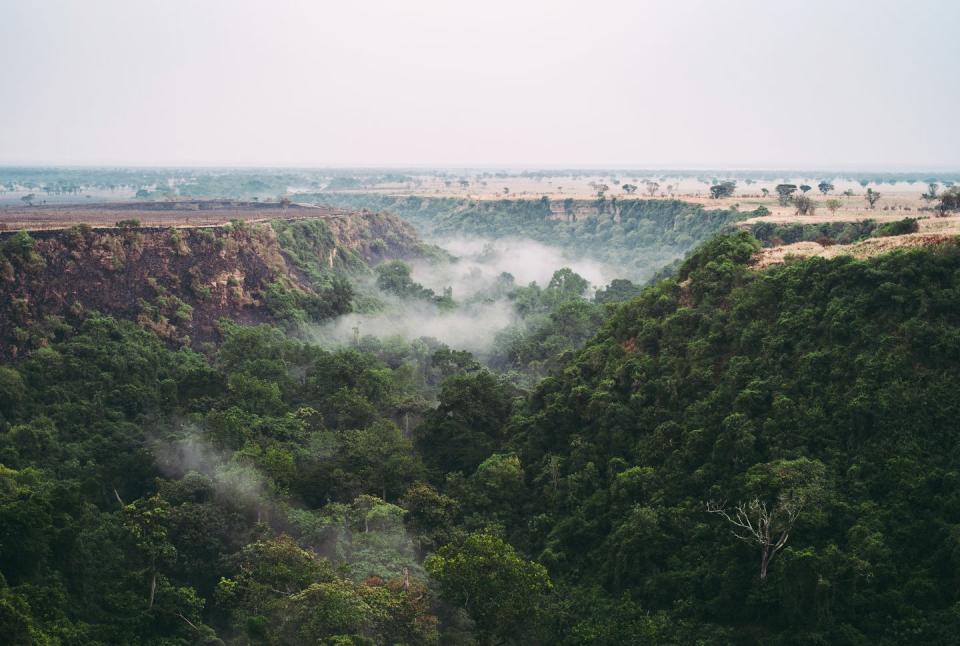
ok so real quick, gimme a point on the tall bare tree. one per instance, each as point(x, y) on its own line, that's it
point(754, 523)
point(799, 485)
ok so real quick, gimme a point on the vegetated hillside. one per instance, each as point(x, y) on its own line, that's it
point(639, 236)
point(271, 491)
point(825, 391)
point(179, 282)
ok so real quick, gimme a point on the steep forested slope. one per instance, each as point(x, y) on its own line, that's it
point(147, 494)
point(270, 491)
point(827, 389)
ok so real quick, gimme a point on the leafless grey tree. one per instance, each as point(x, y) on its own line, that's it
point(769, 527)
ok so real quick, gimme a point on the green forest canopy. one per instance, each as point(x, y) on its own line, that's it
point(266, 491)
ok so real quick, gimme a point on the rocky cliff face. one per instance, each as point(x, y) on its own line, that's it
point(180, 282)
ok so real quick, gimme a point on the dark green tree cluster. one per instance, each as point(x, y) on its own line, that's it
point(619, 289)
point(731, 456)
point(151, 495)
point(554, 320)
point(723, 189)
point(772, 234)
point(811, 407)
point(395, 277)
point(898, 228)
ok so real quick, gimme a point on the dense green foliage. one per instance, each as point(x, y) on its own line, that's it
point(146, 494)
point(691, 389)
point(619, 289)
point(501, 591)
point(554, 321)
point(397, 491)
point(772, 234)
point(394, 277)
point(898, 228)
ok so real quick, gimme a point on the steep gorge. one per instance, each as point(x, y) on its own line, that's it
point(179, 282)
point(639, 236)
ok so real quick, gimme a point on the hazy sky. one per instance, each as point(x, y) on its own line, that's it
point(828, 84)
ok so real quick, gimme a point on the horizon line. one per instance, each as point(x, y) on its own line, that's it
point(866, 168)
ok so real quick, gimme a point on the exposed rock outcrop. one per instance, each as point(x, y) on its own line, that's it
point(179, 282)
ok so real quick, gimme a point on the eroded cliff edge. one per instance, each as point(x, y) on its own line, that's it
point(180, 282)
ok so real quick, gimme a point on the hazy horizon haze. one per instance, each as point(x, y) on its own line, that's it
point(688, 84)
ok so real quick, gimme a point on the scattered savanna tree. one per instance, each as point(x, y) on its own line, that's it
point(785, 192)
point(871, 196)
point(825, 187)
point(804, 205)
point(723, 189)
point(949, 200)
point(833, 204)
point(629, 188)
point(805, 187)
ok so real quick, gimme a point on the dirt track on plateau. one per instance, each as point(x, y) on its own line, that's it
point(155, 214)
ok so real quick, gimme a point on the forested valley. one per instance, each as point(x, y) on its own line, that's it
point(541, 424)
point(435, 323)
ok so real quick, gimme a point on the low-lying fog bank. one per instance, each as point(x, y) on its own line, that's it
point(470, 326)
point(480, 261)
point(480, 288)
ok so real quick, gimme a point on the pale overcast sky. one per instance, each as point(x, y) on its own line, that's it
point(827, 84)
